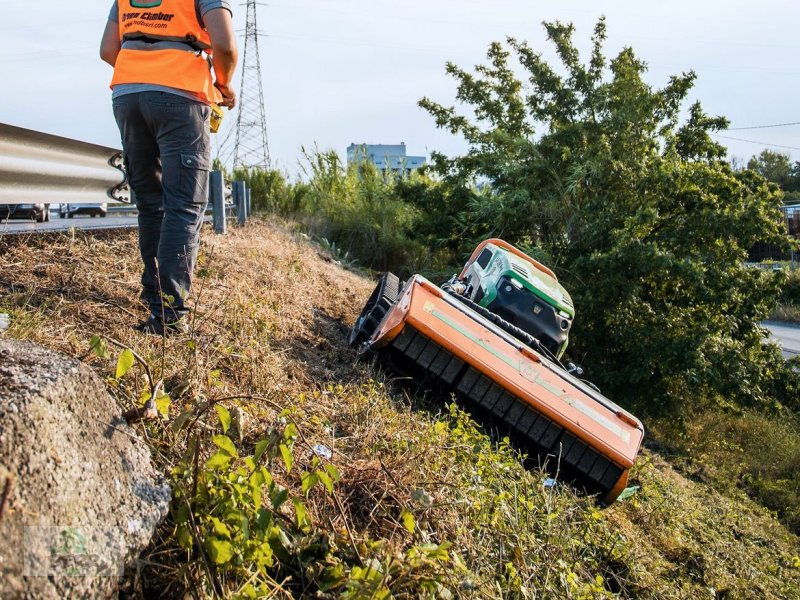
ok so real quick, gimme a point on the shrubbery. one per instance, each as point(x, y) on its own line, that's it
point(790, 293)
point(590, 169)
point(373, 219)
point(642, 218)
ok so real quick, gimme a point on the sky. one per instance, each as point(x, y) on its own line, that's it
point(342, 71)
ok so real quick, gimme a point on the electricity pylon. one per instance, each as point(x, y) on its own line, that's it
point(251, 148)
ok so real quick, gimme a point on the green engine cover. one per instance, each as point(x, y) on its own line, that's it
point(504, 263)
point(523, 294)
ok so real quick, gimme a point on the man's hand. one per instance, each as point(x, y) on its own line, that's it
point(228, 95)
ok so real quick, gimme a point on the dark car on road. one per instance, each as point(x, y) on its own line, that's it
point(95, 209)
point(35, 212)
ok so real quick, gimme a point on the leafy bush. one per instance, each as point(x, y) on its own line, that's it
point(271, 192)
point(756, 453)
point(645, 222)
point(378, 220)
point(790, 293)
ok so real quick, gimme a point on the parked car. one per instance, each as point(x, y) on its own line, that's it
point(95, 209)
point(35, 212)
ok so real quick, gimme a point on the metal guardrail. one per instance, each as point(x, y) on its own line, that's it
point(38, 167)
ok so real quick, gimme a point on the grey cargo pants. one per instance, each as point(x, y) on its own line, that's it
point(165, 140)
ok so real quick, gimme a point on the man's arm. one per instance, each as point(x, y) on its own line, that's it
point(219, 24)
point(110, 44)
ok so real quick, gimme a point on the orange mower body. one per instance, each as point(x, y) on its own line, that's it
point(573, 430)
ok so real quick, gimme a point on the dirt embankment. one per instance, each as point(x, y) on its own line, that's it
point(272, 312)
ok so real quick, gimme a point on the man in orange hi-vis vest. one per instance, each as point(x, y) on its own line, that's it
point(171, 59)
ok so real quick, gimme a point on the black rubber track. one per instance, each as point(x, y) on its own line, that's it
point(546, 443)
point(383, 297)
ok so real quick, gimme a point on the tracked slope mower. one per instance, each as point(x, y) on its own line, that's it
point(493, 336)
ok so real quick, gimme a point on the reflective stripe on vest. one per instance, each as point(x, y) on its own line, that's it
point(164, 20)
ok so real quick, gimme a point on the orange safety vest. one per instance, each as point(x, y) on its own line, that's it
point(170, 21)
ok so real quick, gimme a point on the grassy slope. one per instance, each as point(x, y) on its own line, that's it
point(273, 312)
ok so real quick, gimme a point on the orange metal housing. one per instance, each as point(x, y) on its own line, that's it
point(591, 440)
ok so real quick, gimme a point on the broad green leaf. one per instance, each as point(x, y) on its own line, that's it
point(220, 551)
point(184, 537)
point(332, 577)
point(286, 454)
point(303, 521)
point(267, 476)
point(214, 378)
point(308, 480)
point(408, 521)
point(436, 552)
point(181, 420)
point(279, 542)
point(333, 472)
point(224, 417)
point(220, 528)
point(264, 519)
point(124, 363)
point(264, 555)
point(245, 528)
point(290, 432)
point(255, 493)
point(181, 515)
point(260, 477)
point(278, 497)
point(162, 404)
point(261, 447)
point(99, 347)
point(144, 397)
point(325, 479)
point(218, 461)
point(224, 443)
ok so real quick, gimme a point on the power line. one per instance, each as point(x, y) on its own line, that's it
point(762, 126)
point(725, 137)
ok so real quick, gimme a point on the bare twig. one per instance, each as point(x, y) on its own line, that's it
point(102, 300)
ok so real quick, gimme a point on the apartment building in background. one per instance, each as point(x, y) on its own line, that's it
point(392, 157)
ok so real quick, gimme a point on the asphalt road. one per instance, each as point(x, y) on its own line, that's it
point(78, 222)
point(787, 335)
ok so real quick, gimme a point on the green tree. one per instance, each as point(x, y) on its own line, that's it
point(643, 219)
point(774, 166)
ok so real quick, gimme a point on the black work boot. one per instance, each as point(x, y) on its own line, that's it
point(154, 326)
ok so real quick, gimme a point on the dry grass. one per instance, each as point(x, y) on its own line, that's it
point(272, 312)
point(789, 313)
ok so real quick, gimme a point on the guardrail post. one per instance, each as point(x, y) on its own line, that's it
point(216, 192)
point(240, 199)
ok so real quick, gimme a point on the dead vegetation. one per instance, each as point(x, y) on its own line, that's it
point(425, 504)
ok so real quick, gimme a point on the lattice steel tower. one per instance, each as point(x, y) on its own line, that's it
point(251, 148)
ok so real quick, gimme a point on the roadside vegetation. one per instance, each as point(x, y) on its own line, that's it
point(591, 170)
point(788, 306)
point(299, 471)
